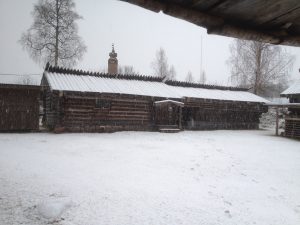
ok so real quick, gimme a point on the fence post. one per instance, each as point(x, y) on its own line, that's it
point(277, 121)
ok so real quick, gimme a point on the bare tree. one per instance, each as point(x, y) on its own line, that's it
point(53, 36)
point(259, 66)
point(160, 64)
point(172, 73)
point(202, 77)
point(26, 80)
point(189, 77)
point(126, 70)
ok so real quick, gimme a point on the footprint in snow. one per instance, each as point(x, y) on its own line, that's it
point(297, 209)
point(227, 212)
point(273, 189)
point(227, 202)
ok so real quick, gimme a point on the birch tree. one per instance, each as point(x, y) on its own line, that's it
point(262, 67)
point(53, 36)
point(160, 64)
point(189, 77)
point(172, 73)
point(202, 77)
point(126, 70)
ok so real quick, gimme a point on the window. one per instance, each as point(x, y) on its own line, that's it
point(102, 104)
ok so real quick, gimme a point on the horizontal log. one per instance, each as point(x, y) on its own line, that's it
point(129, 112)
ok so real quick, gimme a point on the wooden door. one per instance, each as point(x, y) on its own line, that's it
point(166, 114)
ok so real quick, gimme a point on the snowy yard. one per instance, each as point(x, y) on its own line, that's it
point(201, 177)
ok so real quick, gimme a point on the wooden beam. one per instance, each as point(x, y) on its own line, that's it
point(217, 25)
point(180, 115)
point(277, 122)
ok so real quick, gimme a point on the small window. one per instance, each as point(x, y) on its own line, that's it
point(102, 104)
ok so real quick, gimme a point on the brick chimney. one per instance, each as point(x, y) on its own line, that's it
point(113, 62)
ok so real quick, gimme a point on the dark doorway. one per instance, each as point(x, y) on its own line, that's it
point(168, 113)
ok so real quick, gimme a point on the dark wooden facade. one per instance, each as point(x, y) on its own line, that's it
point(74, 111)
point(292, 120)
point(94, 112)
point(199, 114)
point(89, 112)
point(19, 107)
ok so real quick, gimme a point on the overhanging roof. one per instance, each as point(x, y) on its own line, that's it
point(271, 21)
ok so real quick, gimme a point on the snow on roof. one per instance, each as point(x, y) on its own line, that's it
point(89, 83)
point(293, 89)
point(169, 101)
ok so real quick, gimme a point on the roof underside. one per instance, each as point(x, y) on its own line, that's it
point(98, 84)
point(271, 21)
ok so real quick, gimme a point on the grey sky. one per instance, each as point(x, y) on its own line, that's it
point(137, 34)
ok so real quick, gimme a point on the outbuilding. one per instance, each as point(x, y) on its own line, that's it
point(82, 101)
point(292, 120)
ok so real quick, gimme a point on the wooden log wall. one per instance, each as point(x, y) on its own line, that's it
point(201, 114)
point(92, 112)
point(19, 108)
point(50, 106)
point(292, 121)
point(292, 127)
point(104, 113)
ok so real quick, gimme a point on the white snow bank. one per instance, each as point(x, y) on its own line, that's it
point(52, 209)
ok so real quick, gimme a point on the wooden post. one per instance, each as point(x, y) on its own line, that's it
point(180, 115)
point(277, 121)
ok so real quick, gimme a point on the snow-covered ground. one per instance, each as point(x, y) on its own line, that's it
point(192, 178)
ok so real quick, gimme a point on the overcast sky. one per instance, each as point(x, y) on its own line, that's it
point(137, 34)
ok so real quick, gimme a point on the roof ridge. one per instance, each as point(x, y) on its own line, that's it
point(57, 69)
point(206, 86)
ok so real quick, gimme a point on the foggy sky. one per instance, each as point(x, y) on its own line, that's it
point(137, 34)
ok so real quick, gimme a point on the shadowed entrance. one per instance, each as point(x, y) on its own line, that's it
point(168, 115)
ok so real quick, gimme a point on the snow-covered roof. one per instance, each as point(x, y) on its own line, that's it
point(99, 84)
point(293, 89)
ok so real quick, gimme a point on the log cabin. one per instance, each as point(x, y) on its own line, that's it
point(83, 101)
point(292, 120)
